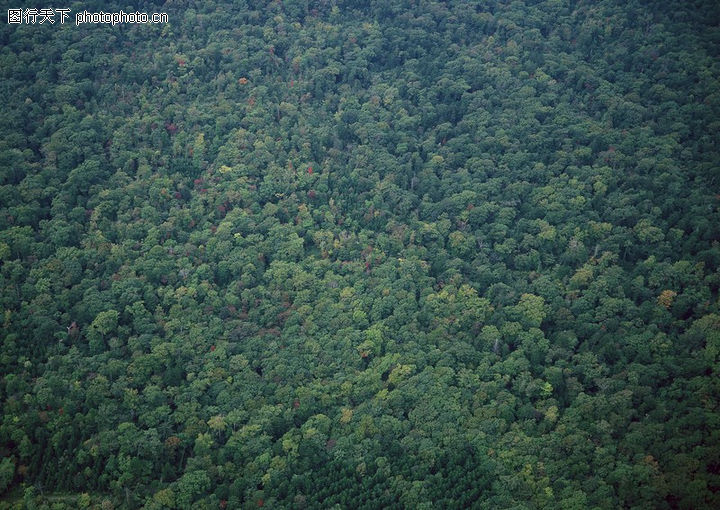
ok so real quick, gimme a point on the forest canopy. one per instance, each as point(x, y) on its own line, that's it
point(362, 254)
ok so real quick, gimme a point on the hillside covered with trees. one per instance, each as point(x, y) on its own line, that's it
point(362, 254)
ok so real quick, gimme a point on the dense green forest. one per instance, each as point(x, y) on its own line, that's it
point(362, 254)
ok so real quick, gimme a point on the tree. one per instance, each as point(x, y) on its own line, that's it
point(366, 254)
point(530, 310)
point(7, 473)
point(190, 487)
point(104, 324)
